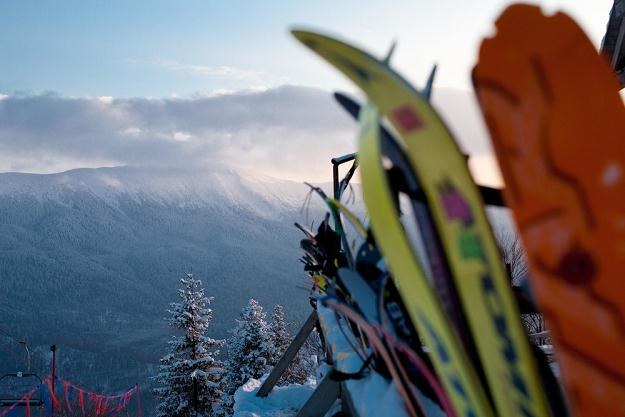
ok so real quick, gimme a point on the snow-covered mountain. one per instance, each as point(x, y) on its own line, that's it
point(261, 195)
point(90, 258)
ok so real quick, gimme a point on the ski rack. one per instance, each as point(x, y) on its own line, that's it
point(339, 357)
point(328, 390)
point(340, 186)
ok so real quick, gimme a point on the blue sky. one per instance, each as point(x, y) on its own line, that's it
point(202, 83)
point(179, 48)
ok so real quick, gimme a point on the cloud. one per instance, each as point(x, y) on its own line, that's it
point(221, 71)
point(217, 79)
point(181, 136)
point(105, 99)
point(288, 132)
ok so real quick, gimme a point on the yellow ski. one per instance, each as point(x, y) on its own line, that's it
point(351, 217)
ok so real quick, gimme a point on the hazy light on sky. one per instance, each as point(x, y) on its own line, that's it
point(91, 54)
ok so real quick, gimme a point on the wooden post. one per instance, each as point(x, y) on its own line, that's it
point(347, 404)
point(322, 398)
point(288, 356)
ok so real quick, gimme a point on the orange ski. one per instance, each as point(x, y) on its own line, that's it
point(557, 122)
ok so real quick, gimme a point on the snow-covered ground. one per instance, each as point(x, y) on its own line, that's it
point(281, 402)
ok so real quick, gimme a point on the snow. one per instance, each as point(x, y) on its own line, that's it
point(282, 401)
point(372, 395)
point(258, 194)
point(345, 358)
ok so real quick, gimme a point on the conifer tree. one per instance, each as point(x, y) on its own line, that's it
point(279, 336)
point(303, 365)
point(190, 376)
point(249, 348)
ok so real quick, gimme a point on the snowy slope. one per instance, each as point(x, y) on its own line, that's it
point(261, 195)
point(90, 258)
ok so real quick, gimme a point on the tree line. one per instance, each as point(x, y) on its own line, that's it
point(193, 382)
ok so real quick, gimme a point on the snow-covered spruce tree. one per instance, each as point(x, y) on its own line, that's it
point(279, 336)
point(306, 360)
point(280, 339)
point(249, 347)
point(190, 376)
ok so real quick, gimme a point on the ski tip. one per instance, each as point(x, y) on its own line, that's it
point(304, 36)
point(342, 99)
point(348, 103)
point(299, 33)
point(307, 37)
point(340, 96)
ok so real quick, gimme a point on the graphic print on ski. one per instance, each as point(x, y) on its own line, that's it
point(473, 254)
point(557, 123)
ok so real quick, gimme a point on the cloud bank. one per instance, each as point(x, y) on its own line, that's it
point(288, 132)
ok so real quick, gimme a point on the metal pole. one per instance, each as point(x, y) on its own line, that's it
point(335, 180)
point(52, 394)
point(288, 355)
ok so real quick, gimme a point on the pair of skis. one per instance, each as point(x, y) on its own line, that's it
point(512, 379)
